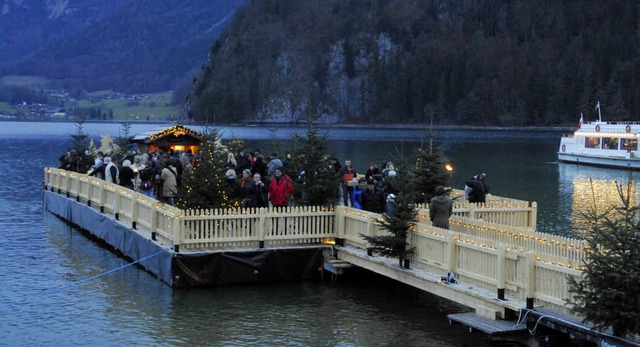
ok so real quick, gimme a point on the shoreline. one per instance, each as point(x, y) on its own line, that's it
point(399, 126)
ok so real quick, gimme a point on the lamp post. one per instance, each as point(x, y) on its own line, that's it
point(449, 168)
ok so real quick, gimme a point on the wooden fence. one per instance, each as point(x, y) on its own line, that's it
point(486, 260)
point(499, 251)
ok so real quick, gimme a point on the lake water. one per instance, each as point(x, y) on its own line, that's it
point(48, 299)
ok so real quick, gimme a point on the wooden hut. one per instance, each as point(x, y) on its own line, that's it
point(177, 138)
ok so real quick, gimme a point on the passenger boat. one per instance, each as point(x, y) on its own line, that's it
point(607, 144)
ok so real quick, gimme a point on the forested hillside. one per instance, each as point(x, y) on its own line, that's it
point(467, 62)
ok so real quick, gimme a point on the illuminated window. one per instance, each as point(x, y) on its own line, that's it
point(592, 142)
point(610, 142)
point(629, 144)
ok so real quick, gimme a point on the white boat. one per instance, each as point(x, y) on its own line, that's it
point(608, 144)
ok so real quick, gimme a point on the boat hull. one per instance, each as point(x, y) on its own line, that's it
point(620, 163)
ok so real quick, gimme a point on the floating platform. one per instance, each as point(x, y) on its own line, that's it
point(486, 325)
point(189, 269)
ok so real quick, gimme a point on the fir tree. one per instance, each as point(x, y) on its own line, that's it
point(125, 140)
point(400, 218)
point(315, 183)
point(204, 188)
point(429, 171)
point(80, 142)
point(607, 293)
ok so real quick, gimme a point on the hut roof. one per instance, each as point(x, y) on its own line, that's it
point(172, 134)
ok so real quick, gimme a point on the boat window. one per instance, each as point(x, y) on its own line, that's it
point(629, 144)
point(610, 142)
point(592, 142)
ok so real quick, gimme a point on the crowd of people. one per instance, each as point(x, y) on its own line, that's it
point(257, 182)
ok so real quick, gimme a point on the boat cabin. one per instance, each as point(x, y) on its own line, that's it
point(613, 144)
point(176, 138)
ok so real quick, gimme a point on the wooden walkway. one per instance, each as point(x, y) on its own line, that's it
point(486, 325)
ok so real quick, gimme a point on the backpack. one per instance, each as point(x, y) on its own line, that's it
point(178, 177)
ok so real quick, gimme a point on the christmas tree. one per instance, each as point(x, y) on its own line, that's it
point(204, 188)
point(80, 142)
point(429, 171)
point(607, 293)
point(315, 183)
point(399, 219)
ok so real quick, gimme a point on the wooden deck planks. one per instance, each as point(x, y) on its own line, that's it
point(486, 325)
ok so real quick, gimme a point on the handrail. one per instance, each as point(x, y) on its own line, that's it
point(512, 258)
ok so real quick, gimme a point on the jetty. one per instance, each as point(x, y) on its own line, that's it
point(501, 267)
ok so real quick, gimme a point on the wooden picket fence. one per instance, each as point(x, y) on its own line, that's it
point(492, 245)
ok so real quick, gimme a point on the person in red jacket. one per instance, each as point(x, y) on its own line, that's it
point(280, 188)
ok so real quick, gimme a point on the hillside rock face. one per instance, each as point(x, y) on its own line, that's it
point(490, 62)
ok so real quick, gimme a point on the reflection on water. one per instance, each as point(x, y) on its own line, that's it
point(590, 189)
point(131, 307)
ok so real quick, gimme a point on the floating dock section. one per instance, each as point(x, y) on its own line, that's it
point(188, 268)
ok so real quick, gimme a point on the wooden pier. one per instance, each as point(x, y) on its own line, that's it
point(502, 264)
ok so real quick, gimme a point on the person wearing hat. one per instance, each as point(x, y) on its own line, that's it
point(280, 188)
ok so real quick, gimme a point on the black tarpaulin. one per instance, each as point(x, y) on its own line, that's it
point(191, 270)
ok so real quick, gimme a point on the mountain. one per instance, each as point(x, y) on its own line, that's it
point(490, 62)
point(129, 46)
point(28, 25)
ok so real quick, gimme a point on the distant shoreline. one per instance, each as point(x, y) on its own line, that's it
point(350, 125)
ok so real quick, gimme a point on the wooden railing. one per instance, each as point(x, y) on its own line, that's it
point(124, 204)
point(482, 253)
point(480, 256)
point(496, 209)
point(237, 228)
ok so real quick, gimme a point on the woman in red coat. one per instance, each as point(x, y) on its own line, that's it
point(280, 188)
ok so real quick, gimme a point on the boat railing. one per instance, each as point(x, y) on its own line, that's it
point(613, 122)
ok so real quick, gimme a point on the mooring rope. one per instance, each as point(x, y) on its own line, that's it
point(77, 283)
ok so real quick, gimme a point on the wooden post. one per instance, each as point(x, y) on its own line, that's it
point(134, 211)
point(154, 218)
point(117, 203)
point(502, 255)
point(178, 232)
point(101, 197)
point(89, 189)
point(339, 221)
point(67, 184)
point(533, 215)
point(262, 212)
point(451, 250)
point(530, 284)
point(472, 211)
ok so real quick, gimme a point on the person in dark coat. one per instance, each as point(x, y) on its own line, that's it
point(477, 193)
point(232, 188)
point(127, 175)
point(253, 191)
point(440, 209)
point(373, 199)
point(259, 167)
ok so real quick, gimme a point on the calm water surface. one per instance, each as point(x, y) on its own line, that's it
point(42, 302)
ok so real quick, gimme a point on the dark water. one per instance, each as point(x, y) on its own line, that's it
point(42, 302)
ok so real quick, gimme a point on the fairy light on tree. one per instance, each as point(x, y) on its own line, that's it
point(204, 187)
